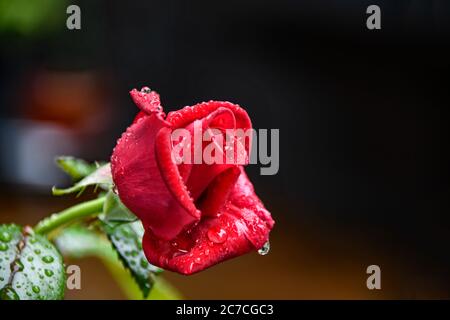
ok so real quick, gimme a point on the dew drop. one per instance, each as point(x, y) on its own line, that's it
point(3, 246)
point(30, 258)
point(20, 266)
point(36, 289)
point(144, 263)
point(48, 272)
point(48, 259)
point(264, 249)
point(8, 293)
point(217, 235)
point(179, 252)
point(5, 236)
point(146, 90)
point(37, 251)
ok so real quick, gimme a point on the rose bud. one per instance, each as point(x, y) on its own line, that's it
point(194, 214)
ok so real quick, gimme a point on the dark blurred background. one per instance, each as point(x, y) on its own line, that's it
point(363, 119)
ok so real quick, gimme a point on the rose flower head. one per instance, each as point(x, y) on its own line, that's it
point(196, 212)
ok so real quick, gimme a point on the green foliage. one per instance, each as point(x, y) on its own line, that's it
point(28, 18)
point(127, 241)
point(30, 266)
point(77, 169)
point(79, 242)
point(115, 212)
point(100, 177)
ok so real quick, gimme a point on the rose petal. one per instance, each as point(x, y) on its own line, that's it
point(139, 182)
point(148, 101)
point(202, 174)
point(181, 118)
point(242, 225)
point(167, 197)
point(170, 174)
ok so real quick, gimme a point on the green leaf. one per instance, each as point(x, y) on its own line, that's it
point(127, 240)
point(115, 212)
point(30, 266)
point(79, 242)
point(77, 169)
point(100, 177)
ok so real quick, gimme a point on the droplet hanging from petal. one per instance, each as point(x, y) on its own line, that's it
point(264, 249)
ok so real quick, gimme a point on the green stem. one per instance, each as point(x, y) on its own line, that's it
point(76, 212)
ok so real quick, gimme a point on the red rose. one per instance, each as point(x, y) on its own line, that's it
point(194, 215)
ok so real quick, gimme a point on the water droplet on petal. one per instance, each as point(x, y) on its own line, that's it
point(179, 252)
point(264, 249)
point(146, 90)
point(217, 235)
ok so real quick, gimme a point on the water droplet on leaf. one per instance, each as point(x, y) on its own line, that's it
point(8, 293)
point(5, 236)
point(19, 265)
point(144, 263)
point(48, 259)
point(48, 272)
